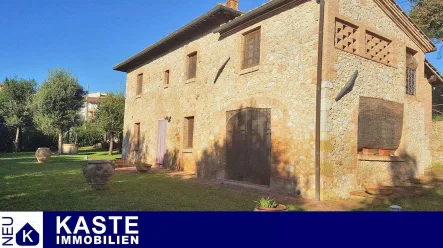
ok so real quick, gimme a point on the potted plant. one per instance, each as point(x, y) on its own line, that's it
point(143, 168)
point(269, 205)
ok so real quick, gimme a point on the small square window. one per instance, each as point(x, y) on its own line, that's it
point(188, 132)
point(251, 49)
point(166, 79)
point(139, 89)
point(192, 66)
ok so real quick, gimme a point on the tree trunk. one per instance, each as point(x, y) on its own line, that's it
point(16, 141)
point(111, 144)
point(60, 141)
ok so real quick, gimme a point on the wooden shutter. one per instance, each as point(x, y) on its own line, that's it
point(166, 81)
point(185, 133)
point(190, 132)
point(139, 84)
point(192, 65)
point(136, 136)
point(251, 49)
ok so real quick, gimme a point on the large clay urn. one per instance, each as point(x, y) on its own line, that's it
point(70, 149)
point(43, 154)
point(98, 173)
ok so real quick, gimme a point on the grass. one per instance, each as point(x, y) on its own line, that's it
point(431, 201)
point(59, 185)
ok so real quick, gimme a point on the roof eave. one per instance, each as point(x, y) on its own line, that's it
point(122, 65)
point(251, 15)
point(438, 77)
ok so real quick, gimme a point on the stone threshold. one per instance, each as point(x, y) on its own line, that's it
point(247, 185)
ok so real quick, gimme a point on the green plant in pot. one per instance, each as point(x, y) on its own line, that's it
point(269, 205)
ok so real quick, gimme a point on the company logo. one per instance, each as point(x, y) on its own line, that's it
point(23, 229)
point(97, 230)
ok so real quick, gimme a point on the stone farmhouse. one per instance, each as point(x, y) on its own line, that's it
point(306, 97)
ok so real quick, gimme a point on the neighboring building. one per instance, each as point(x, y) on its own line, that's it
point(243, 97)
point(91, 105)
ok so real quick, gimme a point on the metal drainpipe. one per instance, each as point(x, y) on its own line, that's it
point(318, 99)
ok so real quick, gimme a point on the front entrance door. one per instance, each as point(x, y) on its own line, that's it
point(161, 142)
point(249, 145)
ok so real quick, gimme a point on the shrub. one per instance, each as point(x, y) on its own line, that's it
point(88, 134)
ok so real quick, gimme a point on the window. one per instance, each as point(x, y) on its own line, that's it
point(251, 49)
point(411, 72)
point(139, 84)
point(192, 66)
point(166, 79)
point(136, 136)
point(188, 132)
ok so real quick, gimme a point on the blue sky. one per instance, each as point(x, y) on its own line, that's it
point(90, 37)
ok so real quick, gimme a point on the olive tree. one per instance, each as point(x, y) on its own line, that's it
point(110, 115)
point(16, 104)
point(428, 15)
point(58, 102)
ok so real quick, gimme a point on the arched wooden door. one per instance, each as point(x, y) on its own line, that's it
point(249, 145)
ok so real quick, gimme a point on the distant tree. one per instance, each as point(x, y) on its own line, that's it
point(16, 104)
point(110, 115)
point(58, 102)
point(428, 15)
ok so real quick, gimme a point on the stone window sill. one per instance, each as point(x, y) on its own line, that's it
point(249, 70)
point(187, 150)
point(188, 81)
point(378, 158)
point(138, 97)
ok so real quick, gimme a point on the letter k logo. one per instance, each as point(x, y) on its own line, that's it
point(27, 236)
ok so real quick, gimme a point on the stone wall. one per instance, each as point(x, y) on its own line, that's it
point(285, 82)
point(437, 142)
point(342, 170)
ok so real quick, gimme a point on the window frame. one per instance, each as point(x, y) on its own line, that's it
point(255, 67)
point(188, 65)
point(411, 73)
point(137, 134)
point(166, 78)
point(188, 134)
point(139, 86)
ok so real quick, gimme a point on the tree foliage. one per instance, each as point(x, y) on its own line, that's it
point(89, 133)
point(428, 15)
point(16, 104)
point(58, 102)
point(110, 114)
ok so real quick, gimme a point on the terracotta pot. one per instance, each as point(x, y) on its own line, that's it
point(119, 163)
point(383, 152)
point(98, 173)
point(143, 168)
point(379, 190)
point(43, 154)
point(70, 149)
point(279, 208)
point(369, 151)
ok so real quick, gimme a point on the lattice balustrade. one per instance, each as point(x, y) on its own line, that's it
point(345, 36)
point(378, 48)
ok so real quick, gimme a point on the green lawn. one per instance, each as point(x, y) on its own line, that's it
point(26, 185)
point(431, 201)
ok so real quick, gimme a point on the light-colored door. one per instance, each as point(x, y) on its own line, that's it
point(161, 142)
